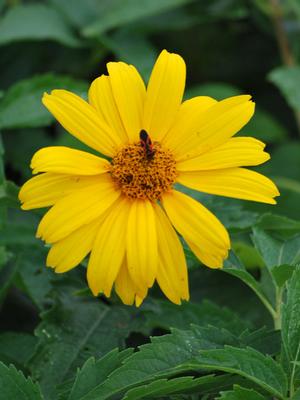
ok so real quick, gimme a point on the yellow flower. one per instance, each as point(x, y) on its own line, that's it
point(125, 211)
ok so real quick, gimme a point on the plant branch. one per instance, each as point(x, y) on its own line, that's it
point(286, 53)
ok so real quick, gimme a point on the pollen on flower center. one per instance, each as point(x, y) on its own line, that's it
point(141, 174)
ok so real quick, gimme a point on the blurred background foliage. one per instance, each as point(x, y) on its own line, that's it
point(230, 47)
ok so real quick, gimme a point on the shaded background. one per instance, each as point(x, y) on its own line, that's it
point(230, 47)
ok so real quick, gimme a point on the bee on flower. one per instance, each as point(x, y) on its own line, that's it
point(123, 209)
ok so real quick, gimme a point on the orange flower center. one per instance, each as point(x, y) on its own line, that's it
point(143, 171)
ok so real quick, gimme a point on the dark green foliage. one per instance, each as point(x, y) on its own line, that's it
point(238, 338)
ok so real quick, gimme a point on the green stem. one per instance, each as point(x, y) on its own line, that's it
point(277, 315)
point(285, 50)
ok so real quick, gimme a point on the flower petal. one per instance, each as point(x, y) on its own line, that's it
point(102, 99)
point(196, 224)
point(216, 125)
point(44, 190)
point(141, 244)
point(68, 161)
point(240, 183)
point(126, 289)
point(164, 94)
point(108, 250)
point(172, 269)
point(236, 152)
point(70, 251)
point(129, 93)
point(82, 121)
point(187, 122)
point(212, 260)
point(77, 209)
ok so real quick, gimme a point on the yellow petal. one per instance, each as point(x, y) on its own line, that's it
point(126, 289)
point(44, 190)
point(239, 183)
point(212, 260)
point(216, 125)
point(172, 269)
point(108, 250)
point(141, 244)
point(64, 160)
point(77, 209)
point(236, 152)
point(129, 93)
point(102, 99)
point(70, 251)
point(187, 122)
point(196, 224)
point(164, 94)
point(82, 121)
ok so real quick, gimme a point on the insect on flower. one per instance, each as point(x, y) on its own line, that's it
point(147, 145)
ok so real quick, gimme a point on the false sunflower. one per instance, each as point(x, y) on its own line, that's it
point(123, 209)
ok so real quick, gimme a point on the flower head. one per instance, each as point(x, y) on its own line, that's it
point(123, 209)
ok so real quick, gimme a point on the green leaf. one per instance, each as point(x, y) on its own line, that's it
point(16, 348)
point(249, 363)
point(287, 80)
point(165, 357)
point(164, 314)
point(2, 176)
point(35, 22)
point(240, 393)
point(234, 267)
point(7, 276)
point(284, 225)
point(9, 195)
point(95, 372)
point(71, 332)
point(34, 278)
point(291, 326)
point(276, 252)
point(164, 387)
point(117, 13)
point(265, 127)
point(21, 106)
point(133, 48)
point(216, 90)
point(15, 386)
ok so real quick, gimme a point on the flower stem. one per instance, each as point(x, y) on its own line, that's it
point(286, 53)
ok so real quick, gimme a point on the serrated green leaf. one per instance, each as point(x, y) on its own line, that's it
point(35, 22)
point(291, 326)
point(16, 348)
point(15, 386)
point(165, 357)
point(71, 332)
point(249, 363)
point(287, 80)
point(95, 372)
point(240, 393)
point(21, 106)
point(164, 387)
